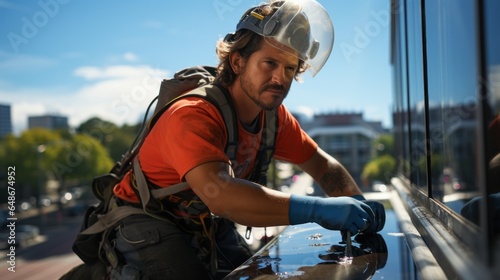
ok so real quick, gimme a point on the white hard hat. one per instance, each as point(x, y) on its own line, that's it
point(302, 25)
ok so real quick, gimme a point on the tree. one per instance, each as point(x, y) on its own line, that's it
point(25, 154)
point(40, 154)
point(384, 145)
point(115, 139)
point(380, 169)
point(383, 164)
point(99, 129)
point(119, 142)
point(80, 159)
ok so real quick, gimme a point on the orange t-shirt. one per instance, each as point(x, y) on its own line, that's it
point(192, 132)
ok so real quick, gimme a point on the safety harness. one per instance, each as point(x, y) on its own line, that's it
point(93, 242)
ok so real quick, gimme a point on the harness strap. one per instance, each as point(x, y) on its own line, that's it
point(266, 148)
point(268, 142)
point(224, 104)
point(142, 184)
point(220, 99)
point(109, 251)
point(115, 214)
point(163, 192)
point(109, 219)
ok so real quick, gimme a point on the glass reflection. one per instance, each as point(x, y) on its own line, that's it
point(491, 83)
point(309, 251)
point(369, 254)
point(400, 114)
point(452, 91)
point(416, 96)
point(493, 90)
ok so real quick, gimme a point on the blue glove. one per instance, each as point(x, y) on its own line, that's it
point(378, 222)
point(335, 213)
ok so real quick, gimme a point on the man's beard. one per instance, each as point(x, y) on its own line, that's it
point(254, 94)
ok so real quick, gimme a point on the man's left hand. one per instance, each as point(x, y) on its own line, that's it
point(379, 219)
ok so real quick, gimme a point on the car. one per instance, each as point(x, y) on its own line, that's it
point(4, 214)
point(379, 186)
point(24, 206)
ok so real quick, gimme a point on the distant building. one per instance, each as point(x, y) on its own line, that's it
point(48, 121)
point(347, 137)
point(5, 120)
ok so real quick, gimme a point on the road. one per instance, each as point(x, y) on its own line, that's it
point(49, 255)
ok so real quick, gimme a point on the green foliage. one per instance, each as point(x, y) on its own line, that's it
point(384, 145)
point(383, 164)
point(116, 140)
point(24, 152)
point(99, 129)
point(380, 169)
point(118, 143)
point(40, 154)
point(82, 158)
point(72, 159)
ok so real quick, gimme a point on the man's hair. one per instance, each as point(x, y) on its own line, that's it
point(245, 42)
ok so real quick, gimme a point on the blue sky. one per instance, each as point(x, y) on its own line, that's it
point(107, 58)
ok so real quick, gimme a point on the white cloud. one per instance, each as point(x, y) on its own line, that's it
point(306, 111)
point(19, 117)
point(374, 113)
point(119, 94)
point(89, 72)
point(131, 57)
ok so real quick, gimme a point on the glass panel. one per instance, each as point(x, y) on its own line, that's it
point(416, 96)
point(493, 108)
point(400, 115)
point(452, 81)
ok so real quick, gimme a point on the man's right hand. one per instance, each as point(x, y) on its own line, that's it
point(335, 213)
point(379, 214)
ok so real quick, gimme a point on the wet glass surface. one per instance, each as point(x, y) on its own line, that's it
point(309, 251)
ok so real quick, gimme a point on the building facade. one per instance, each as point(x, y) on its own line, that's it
point(48, 122)
point(5, 120)
point(446, 58)
point(347, 137)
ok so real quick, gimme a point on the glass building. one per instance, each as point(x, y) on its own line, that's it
point(446, 61)
point(48, 122)
point(5, 120)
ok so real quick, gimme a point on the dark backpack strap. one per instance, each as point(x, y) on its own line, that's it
point(184, 81)
point(149, 197)
point(220, 98)
point(266, 148)
point(267, 145)
point(109, 220)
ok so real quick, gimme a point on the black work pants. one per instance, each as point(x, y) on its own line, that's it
point(154, 249)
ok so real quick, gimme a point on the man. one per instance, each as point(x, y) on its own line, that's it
point(273, 44)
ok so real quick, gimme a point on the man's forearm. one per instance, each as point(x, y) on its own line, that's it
point(330, 174)
point(336, 181)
